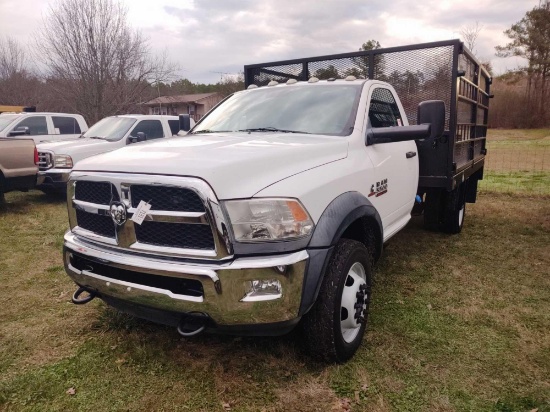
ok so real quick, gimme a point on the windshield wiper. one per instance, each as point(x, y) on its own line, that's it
point(211, 131)
point(97, 137)
point(271, 129)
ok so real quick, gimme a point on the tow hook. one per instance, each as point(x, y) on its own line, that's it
point(192, 324)
point(81, 301)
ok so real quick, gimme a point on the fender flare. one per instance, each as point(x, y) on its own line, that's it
point(336, 218)
point(339, 214)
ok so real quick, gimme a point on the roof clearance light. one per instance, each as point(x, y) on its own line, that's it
point(273, 83)
point(252, 86)
point(351, 78)
point(313, 80)
point(291, 81)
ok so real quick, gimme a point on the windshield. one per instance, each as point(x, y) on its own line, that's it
point(110, 128)
point(320, 109)
point(6, 120)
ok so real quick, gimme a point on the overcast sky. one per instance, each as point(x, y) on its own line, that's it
point(210, 37)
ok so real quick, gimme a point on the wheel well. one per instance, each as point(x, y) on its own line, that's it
point(366, 230)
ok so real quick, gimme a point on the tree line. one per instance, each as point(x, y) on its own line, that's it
point(93, 63)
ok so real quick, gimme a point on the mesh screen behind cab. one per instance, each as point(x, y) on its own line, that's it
point(417, 75)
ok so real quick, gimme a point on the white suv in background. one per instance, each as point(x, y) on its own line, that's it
point(42, 126)
point(56, 159)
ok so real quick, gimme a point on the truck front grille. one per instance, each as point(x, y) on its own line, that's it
point(45, 161)
point(101, 193)
point(174, 199)
point(102, 225)
point(180, 221)
point(175, 235)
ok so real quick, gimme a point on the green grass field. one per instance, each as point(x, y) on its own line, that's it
point(518, 161)
point(458, 323)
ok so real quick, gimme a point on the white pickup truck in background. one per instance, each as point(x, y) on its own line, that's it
point(56, 159)
point(42, 126)
point(273, 209)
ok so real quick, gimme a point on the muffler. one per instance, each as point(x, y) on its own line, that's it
point(192, 324)
point(77, 300)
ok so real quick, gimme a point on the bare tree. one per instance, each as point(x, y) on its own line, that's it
point(12, 58)
point(95, 61)
point(18, 85)
point(530, 39)
point(469, 34)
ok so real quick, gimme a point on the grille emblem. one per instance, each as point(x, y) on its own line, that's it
point(118, 213)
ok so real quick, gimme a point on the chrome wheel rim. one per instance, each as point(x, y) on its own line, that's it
point(353, 302)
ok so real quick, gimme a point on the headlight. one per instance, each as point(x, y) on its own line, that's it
point(261, 220)
point(63, 161)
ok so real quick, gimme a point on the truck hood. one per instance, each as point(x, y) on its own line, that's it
point(236, 165)
point(78, 149)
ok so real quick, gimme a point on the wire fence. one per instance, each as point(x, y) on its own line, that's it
point(517, 163)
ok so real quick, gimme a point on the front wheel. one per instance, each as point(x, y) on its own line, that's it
point(335, 326)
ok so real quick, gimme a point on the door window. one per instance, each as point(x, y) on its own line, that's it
point(383, 110)
point(174, 126)
point(66, 125)
point(151, 128)
point(36, 124)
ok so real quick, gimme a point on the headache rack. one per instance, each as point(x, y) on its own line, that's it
point(443, 70)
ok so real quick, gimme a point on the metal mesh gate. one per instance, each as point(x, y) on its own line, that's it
point(418, 73)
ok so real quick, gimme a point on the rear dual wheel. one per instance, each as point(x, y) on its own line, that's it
point(335, 326)
point(454, 212)
point(445, 211)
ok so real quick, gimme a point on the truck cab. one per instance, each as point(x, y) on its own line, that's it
point(42, 126)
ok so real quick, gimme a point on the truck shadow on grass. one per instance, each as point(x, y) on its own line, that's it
point(22, 203)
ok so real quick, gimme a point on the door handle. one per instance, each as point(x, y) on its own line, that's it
point(410, 154)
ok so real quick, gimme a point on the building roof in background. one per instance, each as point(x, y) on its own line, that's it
point(182, 98)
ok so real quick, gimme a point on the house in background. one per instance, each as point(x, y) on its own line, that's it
point(196, 105)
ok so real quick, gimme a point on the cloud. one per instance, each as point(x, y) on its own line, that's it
point(206, 37)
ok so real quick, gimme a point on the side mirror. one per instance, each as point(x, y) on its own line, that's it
point(185, 122)
point(20, 131)
point(140, 137)
point(377, 135)
point(432, 112)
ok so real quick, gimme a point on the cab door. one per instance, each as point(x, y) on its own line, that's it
point(395, 164)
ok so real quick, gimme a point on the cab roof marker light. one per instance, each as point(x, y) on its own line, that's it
point(331, 79)
point(351, 78)
point(252, 86)
point(291, 81)
point(313, 80)
point(273, 83)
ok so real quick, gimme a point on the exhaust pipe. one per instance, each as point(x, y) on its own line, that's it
point(81, 301)
point(192, 324)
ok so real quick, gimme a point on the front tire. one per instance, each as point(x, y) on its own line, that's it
point(335, 326)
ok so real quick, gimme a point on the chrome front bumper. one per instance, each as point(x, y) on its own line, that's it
point(224, 285)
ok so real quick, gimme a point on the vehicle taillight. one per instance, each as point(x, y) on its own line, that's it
point(35, 156)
